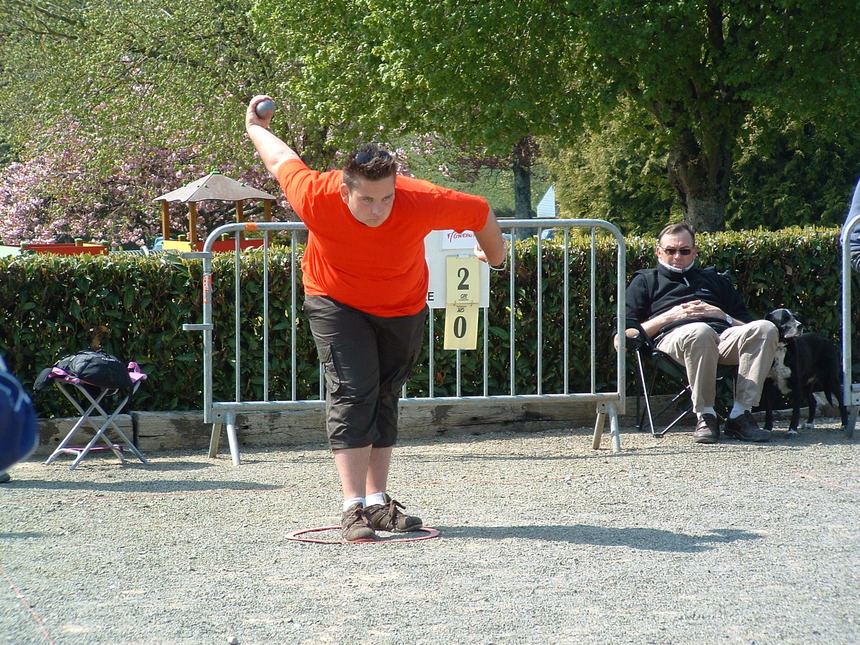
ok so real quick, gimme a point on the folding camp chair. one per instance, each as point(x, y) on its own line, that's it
point(91, 402)
point(660, 363)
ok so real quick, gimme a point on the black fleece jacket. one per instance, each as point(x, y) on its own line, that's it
point(653, 291)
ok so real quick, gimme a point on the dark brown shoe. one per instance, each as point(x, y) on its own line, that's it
point(745, 428)
point(355, 526)
point(707, 429)
point(387, 517)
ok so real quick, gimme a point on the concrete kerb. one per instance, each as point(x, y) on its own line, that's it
point(165, 430)
point(156, 431)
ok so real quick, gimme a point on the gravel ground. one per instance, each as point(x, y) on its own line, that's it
point(543, 540)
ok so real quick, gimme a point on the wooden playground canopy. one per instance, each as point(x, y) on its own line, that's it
point(213, 186)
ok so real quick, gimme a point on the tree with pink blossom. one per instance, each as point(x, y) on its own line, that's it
point(64, 194)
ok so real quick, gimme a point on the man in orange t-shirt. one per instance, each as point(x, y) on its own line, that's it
point(365, 281)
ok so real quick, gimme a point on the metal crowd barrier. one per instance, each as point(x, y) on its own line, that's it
point(850, 390)
point(609, 404)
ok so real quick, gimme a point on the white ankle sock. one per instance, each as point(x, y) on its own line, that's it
point(349, 502)
point(375, 498)
point(737, 410)
point(707, 411)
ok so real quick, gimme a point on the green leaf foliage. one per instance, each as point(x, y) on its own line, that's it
point(487, 73)
point(143, 70)
point(785, 175)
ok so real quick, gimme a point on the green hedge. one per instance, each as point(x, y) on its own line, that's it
point(134, 307)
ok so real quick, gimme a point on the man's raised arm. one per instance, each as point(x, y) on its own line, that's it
point(273, 152)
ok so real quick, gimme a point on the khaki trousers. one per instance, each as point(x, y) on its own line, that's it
point(700, 349)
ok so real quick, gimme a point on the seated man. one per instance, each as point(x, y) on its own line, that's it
point(854, 238)
point(698, 318)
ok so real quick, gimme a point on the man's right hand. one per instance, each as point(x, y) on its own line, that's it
point(251, 116)
point(273, 152)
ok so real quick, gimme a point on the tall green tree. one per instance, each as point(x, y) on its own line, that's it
point(613, 172)
point(797, 174)
point(495, 71)
point(143, 70)
point(703, 69)
point(473, 72)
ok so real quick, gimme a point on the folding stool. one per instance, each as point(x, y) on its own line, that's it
point(81, 394)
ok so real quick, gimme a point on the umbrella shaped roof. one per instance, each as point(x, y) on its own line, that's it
point(214, 186)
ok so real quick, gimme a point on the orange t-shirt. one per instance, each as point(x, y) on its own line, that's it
point(380, 270)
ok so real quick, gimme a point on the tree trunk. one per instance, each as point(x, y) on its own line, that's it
point(522, 192)
point(701, 179)
point(522, 160)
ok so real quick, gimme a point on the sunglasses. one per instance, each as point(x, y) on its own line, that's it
point(676, 251)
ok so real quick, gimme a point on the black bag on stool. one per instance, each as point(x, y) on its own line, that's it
point(93, 367)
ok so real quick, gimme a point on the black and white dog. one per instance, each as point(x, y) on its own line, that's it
point(802, 362)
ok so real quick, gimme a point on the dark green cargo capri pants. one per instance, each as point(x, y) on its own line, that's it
point(366, 360)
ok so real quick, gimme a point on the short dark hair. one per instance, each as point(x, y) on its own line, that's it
point(674, 229)
point(371, 162)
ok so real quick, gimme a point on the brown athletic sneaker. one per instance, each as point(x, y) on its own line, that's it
point(387, 517)
point(746, 429)
point(355, 526)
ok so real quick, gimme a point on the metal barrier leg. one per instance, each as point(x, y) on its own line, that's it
point(230, 420)
point(598, 428)
point(604, 410)
point(852, 421)
point(614, 429)
point(214, 440)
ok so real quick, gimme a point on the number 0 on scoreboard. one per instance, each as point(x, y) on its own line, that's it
point(463, 295)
